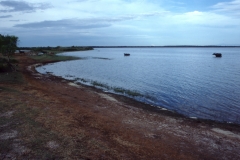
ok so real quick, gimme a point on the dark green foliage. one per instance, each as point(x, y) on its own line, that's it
point(132, 93)
point(56, 50)
point(53, 58)
point(81, 79)
point(98, 84)
point(8, 45)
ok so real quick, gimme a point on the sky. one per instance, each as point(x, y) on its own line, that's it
point(121, 22)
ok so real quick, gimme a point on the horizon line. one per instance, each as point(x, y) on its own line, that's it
point(139, 46)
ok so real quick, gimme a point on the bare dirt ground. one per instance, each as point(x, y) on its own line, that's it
point(46, 117)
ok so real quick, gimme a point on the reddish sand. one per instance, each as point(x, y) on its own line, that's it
point(109, 126)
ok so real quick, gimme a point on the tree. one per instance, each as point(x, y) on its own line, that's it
point(8, 45)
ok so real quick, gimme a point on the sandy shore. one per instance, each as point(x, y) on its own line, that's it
point(80, 122)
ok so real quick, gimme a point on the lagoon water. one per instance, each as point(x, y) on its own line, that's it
point(190, 81)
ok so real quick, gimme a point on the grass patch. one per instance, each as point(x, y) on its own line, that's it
point(101, 58)
point(6, 89)
point(11, 60)
point(68, 75)
point(3, 121)
point(11, 77)
point(6, 73)
point(34, 134)
point(5, 146)
point(132, 93)
point(55, 50)
point(120, 90)
point(81, 79)
point(5, 105)
point(54, 58)
point(98, 84)
point(4, 67)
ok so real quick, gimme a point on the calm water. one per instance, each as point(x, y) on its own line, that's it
point(188, 80)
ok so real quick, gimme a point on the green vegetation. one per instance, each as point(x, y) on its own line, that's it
point(101, 58)
point(121, 90)
point(55, 50)
point(11, 77)
point(53, 58)
point(7, 64)
point(8, 45)
point(98, 84)
point(50, 53)
point(132, 93)
point(35, 135)
point(81, 79)
point(22, 122)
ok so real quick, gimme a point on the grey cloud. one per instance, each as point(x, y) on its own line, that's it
point(154, 14)
point(130, 17)
point(135, 16)
point(15, 6)
point(85, 23)
point(6, 16)
point(232, 7)
point(84, 0)
point(66, 23)
point(76, 23)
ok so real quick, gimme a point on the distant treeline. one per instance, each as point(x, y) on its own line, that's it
point(159, 46)
point(83, 48)
point(58, 48)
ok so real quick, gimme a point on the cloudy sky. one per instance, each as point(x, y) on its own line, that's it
point(121, 22)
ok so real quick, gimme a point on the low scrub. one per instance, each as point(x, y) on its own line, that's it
point(98, 84)
point(132, 93)
point(4, 64)
point(3, 67)
point(54, 58)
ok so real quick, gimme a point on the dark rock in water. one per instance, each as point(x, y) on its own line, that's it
point(217, 54)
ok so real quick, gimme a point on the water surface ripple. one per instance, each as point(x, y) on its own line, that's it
point(190, 81)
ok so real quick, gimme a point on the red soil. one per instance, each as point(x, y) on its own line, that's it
point(105, 126)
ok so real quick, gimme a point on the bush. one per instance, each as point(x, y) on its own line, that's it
point(3, 67)
point(4, 64)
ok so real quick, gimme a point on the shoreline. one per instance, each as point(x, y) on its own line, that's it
point(145, 106)
point(84, 122)
point(148, 106)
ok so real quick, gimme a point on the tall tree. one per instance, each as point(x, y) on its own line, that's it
point(8, 45)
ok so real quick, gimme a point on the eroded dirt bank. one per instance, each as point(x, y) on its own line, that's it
point(46, 117)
